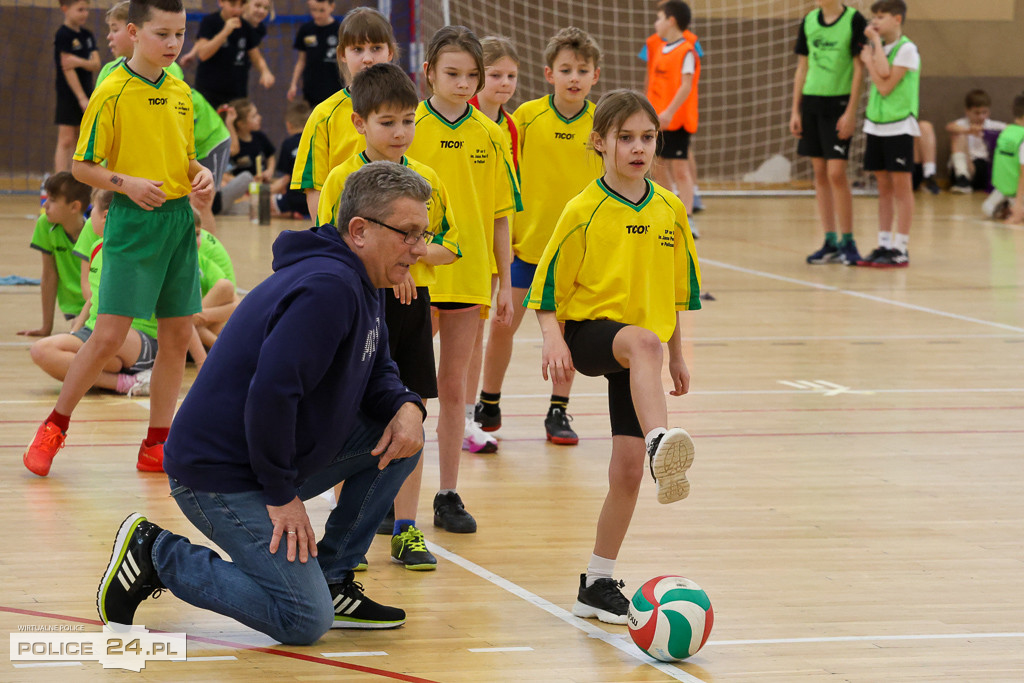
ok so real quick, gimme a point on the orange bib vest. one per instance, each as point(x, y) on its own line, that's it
point(664, 76)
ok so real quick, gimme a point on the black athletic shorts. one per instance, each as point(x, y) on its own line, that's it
point(590, 343)
point(68, 111)
point(673, 144)
point(818, 119)
point(410, 341)
point(893, 153)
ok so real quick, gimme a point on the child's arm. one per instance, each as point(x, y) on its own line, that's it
point(187, 59)
point(1017, 210)
point(312, 201)
point(48, 289)
point(438, 255)
point(676, 363)
point(503, 257)
point(202, 180)
point(84, 279)
point(300, 65)
point(207, 47)
point(196, 348)
point(665, 117)
point(79, 321)
point(144, 192)
point(266, 76)
point(555, 357)
point(795, 122)
point(71, 76)
point(70, 61)
point(847, 124)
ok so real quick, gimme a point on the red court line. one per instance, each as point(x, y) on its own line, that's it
point(239, 646)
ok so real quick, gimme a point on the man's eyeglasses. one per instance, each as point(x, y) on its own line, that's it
point(409, 238)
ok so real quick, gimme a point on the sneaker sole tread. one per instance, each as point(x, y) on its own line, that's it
point(348, 623)
point(671, 461)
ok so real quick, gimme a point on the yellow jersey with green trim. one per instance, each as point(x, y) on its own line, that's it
point(140, 128)
point(328, 139)
point(555, 164)
point(472, 156)
point(439, 209)
point(611, 259)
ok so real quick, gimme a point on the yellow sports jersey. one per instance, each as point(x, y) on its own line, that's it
point(328, 139)
point(471, 156)
point(141, 129)
point(611, 259)
point(555, 164)
point(439, 209)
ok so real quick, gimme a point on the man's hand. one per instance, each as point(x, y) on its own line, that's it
point(291, 520)
point(403, 437)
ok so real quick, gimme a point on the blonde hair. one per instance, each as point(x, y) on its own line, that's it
point(456, 39)
point(618, 105)
point(119, 12)
point(497, 47)
point(577, 40)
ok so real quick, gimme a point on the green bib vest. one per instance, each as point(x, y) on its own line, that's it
point(903, 101)
point(829, 62)
point(1006, 160)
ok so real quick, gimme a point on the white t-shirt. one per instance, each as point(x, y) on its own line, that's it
point(976, 147)
point(910, 58)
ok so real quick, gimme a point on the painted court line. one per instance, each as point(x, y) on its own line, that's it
point(583, 625)
point(854, 639)
point(42, 665)
point(860, 295)
point(380, 653)
point(223, 658)
point(501, 649)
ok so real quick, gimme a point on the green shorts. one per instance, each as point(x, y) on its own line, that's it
point(150, 261)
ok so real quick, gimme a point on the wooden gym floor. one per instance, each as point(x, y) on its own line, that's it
point(856, 515)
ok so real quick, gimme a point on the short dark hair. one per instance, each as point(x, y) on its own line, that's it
point(101, 200)
point(63, 185)
point(977, 98)
point(893, 7)
point(382, 86)
point(140, 10)
point(455, 39)
point(68, 3)
point(1018, 106)
point(678, 10)
point(579, 41)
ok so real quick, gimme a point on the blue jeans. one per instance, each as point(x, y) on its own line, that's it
point(289, 601)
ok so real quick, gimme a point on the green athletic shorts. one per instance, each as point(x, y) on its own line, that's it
point(150, 260)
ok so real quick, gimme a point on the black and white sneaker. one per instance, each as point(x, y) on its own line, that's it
point(352, 609)
point(961, 185)
point(671, 455)
point(603, 600)
point(450, 514)
point(130, 577)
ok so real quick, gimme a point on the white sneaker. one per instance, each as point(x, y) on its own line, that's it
point(671, 455)
point(141, 386)
point(476, 440)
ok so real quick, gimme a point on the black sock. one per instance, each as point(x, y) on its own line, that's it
point(559, 402)
point(489, 402)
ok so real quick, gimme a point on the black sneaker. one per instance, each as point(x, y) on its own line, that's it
point(352, 609)
point(829, 253)
point(930, 184)
point(671, 455)
point(556, 425)
point(387, 525)
point(489, 416)
point(602, 600)
point(961, 185)
point(409, 548)
point(450, 514)
point(875, 255)
point(130, 577)
point(848, 254)
point(893, 258)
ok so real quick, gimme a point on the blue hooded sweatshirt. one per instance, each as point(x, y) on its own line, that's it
point(277, 398)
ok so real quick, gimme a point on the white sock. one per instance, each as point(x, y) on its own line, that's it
point(885, 240)
point(652, 435)
point(901, 242)
point(471, 411)
point(929, 169)
point(445, 492)
point(599, 568)
point(960, 166)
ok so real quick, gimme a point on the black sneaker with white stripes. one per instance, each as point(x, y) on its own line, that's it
point(352, 609)
point(130, 577)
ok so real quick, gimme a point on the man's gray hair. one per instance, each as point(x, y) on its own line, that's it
point(370, 191)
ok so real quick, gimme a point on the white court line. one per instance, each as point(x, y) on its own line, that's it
point(219, 658)
point(379, 653)
point(39, 665)
point(860, 295)
point(501, 649)
point(590, 629)
point(853, 639)
point(982, 221)
point(822, 337)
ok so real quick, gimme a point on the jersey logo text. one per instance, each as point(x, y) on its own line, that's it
point(564, 136)
point(637, 229)
point(158, 100)
point(451, 144)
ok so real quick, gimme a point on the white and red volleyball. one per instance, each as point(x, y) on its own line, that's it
point(670, 618)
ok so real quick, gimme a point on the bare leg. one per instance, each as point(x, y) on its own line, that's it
point(55, 354)
point(106, 340)
point(475, 361)
point(408, 498)
point(67, 138)
point(173, 336)
point(458, 334)
point(885, 200)
point(842, 198)
point(684, 182)
point(823, 194)
point(640, 350)
point(500, 345)
point(903, 199)
point(625, 472)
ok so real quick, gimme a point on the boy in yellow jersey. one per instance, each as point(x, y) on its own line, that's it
point(365, 39)
point(384, 108)
point(139, 121)
point(555, 164)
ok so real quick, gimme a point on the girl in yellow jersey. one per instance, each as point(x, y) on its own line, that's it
point(618, 268)
point(470, 155)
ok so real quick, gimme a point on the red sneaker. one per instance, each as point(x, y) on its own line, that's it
point(151, 458)
point(48, 440)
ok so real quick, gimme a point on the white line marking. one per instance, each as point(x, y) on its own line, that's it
point(354, 654)
point(981, 221)
point(501, 649)
point(861, 295)
point(616, 641)
point(37, 665)
point(759, 392)
point(851, 639)
point(221, 658)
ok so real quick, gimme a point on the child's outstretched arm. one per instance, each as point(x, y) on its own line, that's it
point(300, 66)
point(267, 79)
point(48, 290)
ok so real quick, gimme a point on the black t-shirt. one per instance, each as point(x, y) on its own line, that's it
point(320, 78)
point(259, 147)
point(80, 44)
point(286, 157)
point(859, 23)
point(259, 32)
point(225, 76)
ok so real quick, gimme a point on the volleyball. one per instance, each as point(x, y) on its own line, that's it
point(670, 618)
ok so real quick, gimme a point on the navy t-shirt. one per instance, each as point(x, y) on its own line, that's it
point(80, 44)
point(320, 78)
point(259, 147)
point(225, 76)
